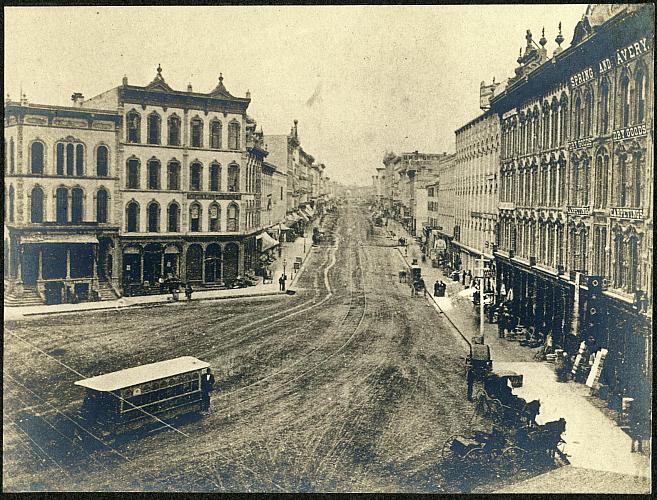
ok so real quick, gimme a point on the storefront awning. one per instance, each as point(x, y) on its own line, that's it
point(292, 217)
point(267, 241)
point(280, 227)
point(60, 238)
point(304, 216)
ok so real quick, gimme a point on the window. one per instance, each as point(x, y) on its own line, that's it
point(601, 179)
point(233, 178)
point(636, 182)
point(174, 131)
point(632, 264)
point(153, 168)
point(61, 205)
point(101, 206)
point(36, 155)
point(622, 180)
point(195, 181)
point(154, 126)
point(553, 185)
point(599, 254)
point(215, 177)
point(625, 100)
point(618, 260)
point(36, 205)
point(102, 154)
point(604, 107)
point(173, 175)
point(79, 159)
point(77, 198)
point(197, 133)
point(173, 217)
point(133, 123)
point(588, 114)
point(133, 173)
point(195, 217)
point(215, 135)
point(12, 159)
point(11, 203)
point(132, 217)
point(234, 135)
point(584, 198)
point(69, 159)
point(233, 218)
point(639, 89)
point(554, 123)
point(578, 118)
point(60, 158)
point(546, 126)
point(281, 192)
point(560, 244)
point(563, 119)
point(153, 217)
point(562, 182)
point(214, 213)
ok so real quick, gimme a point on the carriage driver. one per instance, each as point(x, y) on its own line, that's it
point(478, 363)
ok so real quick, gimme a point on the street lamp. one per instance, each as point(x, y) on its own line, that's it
point(284, 264)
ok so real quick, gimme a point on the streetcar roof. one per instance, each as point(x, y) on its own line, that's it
point(142, 374)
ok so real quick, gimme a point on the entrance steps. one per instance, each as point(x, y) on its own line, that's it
point(29, 297)
point(105, 291)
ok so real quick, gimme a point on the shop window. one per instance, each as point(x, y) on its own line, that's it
point(173, 175)
point(133, 124)
point(77, 205)
point(195, 179)
point(174, 131)
point(233, 135)
point(36, 205)
point(101, 206)
point(215, 177)
point(173, 218)
point(132, 217)
point(195, 217)
point(215, 134)
point(233, 178)
point(153, 211)
point(102, 160)
point(197, 133)
point(133, 173)
point(154, 128)
point(153, 171)
point(36, 157)
point(61, 205)
point(233, 217)
point(60, 158)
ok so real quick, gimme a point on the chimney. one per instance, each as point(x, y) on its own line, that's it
point(248, 94)
point(77, 99)
point(189, 87)
point(125, 80)
point(296, 133)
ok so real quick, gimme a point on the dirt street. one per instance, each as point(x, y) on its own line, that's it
point(349, 385)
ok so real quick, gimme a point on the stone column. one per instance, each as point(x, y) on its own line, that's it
point(203, 246)
point(182, 264)
point(40, 264)
point(68, 263)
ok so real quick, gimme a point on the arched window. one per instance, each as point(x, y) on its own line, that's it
point(174, 131)
point(173, 217)
point(232, 224)
point(546, 126)
point(132, 217)
point(101, 206)
point(36, 205)
point(79, 159)
point(233, 135)
point(133, 124)
point(640, 91)
point(70, 149)
point(77, 205)
point(578, 118)
point(601, 179)
point(60, 158)
point(195, 217)
point(11, 203)
point(12, 156)
point(583, 250)
point(102, 161)
point(215, 177)
point(584, 181)
point(173, 175)
point(215, 134)
point(132, 176)
point(233, 178)
point(625, 100)
point(623, 180)
point(618, 260)
point(195, 178)
point(153, 172)
point(214, 215)
point(197, 133)
point(36, 157)
point(154, 125)
point(636, 182)
point(604, 106)
point(554, 123)
point(588, 113)
point(574, 181)
point(563, 115)
point(61, 205)
point(153, 217)
point(632, 264)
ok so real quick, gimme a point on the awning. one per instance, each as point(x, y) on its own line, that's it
point(60, 238)
point(310, 210)
point(292, 217)
point(280, 227)
point(267, 241)
point(304, 216)
point(306, 212)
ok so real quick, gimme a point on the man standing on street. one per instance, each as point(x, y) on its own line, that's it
point(281, 282)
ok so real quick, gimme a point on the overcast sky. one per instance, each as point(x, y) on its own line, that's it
point(360, 79)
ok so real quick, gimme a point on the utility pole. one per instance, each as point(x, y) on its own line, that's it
point(481, 274)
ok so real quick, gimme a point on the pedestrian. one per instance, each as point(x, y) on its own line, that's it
point(188, 291)
point(281, 282)
point(424, 287)
point(463, 277)
point(207, 386)
point(160, 280)
point(436, 289)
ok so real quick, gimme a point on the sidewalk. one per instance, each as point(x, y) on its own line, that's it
point(596, 446)
point(290, 252)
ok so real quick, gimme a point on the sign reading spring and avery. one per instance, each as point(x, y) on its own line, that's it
point(210, 196)
point(622, 57)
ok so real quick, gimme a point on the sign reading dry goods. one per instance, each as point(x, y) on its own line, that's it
point(580, 143)
point(630, 132)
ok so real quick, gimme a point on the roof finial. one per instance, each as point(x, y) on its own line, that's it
point(559, 38)
point(543, 40)
point(221, 78)
point(159, 70)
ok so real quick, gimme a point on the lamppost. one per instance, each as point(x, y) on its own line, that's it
point(284, 264)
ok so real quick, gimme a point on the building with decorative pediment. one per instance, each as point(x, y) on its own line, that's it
point(576, 190)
